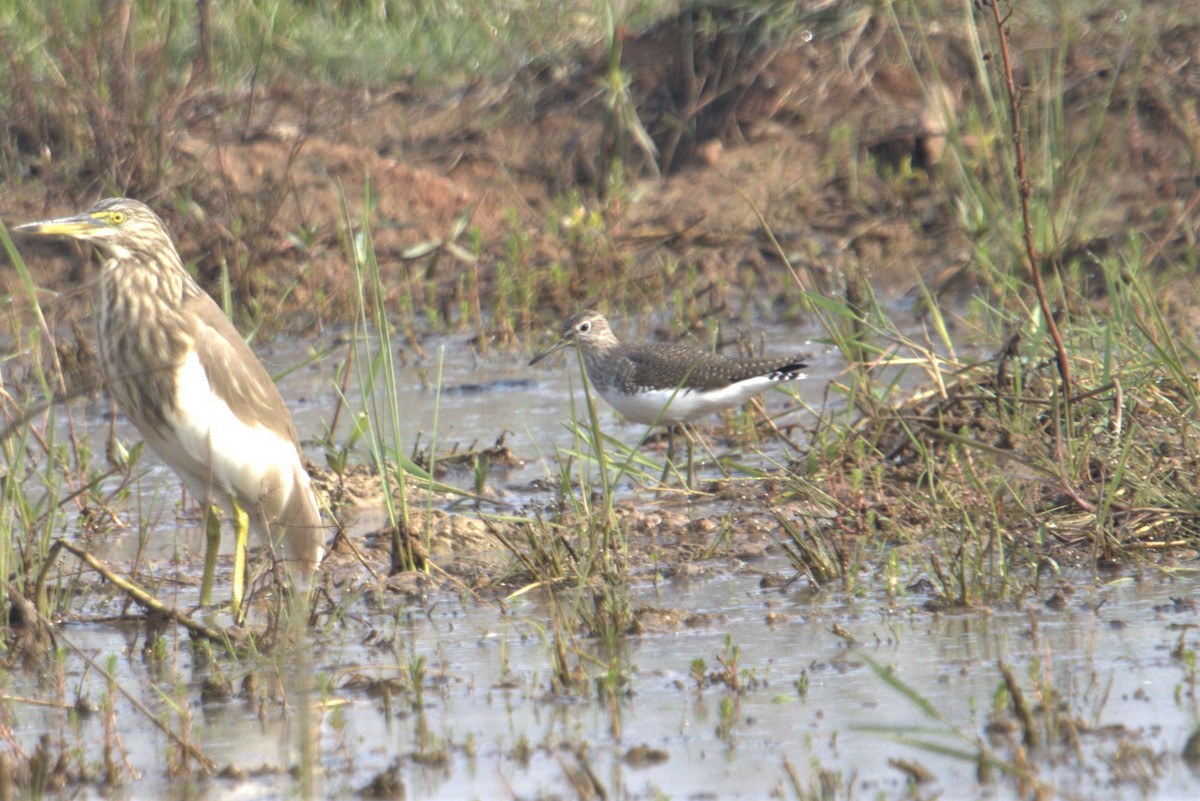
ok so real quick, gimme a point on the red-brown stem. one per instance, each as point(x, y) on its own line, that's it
point(1064, 365)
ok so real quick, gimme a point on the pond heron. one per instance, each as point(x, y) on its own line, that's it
point(179, 370)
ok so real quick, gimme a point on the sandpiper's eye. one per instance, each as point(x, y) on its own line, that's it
point(585, 327)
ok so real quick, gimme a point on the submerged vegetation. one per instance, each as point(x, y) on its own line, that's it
point(993, 229)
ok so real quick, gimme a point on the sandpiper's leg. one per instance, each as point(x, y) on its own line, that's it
point(241, 532)
point(691, 448)
point(212, 533)
point(669, 462)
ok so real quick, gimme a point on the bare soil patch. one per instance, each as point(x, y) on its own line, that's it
point(261, 185)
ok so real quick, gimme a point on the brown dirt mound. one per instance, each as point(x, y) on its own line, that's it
point(262, 183)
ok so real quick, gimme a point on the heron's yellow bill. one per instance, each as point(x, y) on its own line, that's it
point(76, 225)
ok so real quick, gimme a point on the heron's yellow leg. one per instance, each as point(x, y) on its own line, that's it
point(241, 532)
point(212, 531)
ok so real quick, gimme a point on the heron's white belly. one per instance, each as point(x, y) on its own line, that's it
point(224, 455)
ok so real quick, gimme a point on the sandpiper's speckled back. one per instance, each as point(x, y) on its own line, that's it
point(668, 383)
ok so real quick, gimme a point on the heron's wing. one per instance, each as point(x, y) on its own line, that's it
point(234, 371)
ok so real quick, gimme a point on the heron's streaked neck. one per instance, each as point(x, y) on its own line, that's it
point(115, 250)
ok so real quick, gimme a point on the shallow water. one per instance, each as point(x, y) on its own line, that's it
point(487, 689)
point(496, 729)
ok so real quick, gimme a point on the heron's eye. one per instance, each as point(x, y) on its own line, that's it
point(116, 217)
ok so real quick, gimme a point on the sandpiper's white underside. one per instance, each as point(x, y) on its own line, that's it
point(210, 446)
point(671, 406)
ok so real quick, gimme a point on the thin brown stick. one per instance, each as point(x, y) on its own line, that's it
point(1024, 714)
point(1024, 190)
point(143, 598)
point(340, 401)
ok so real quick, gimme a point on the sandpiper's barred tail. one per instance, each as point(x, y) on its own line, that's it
point(651, 382)
point(180, 371)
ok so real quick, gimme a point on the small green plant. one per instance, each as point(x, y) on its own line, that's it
point(727, 718)
point(416, 680)
point(699, 673)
